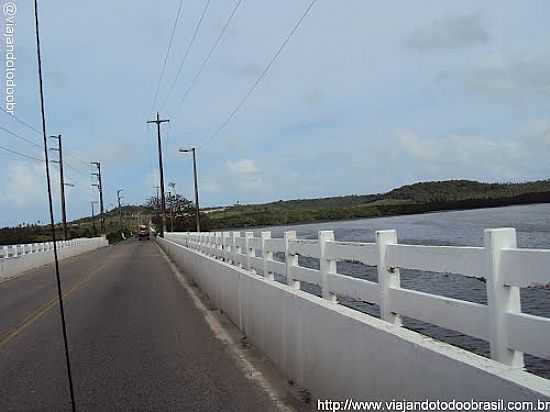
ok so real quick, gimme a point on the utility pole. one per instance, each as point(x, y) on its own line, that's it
point(99, 186)
point(161, 169)
point(59, 149)
point(157, 203)
point(197, 214)
point(93, 203)
point(119, 208)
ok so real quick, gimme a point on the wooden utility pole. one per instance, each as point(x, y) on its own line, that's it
point(59, 149)
point(158, 122)
point(93, 202)
point(197, 207)
point(99, 186)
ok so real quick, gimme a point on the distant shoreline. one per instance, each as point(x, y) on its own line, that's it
point(378, 211)
point(385, 216)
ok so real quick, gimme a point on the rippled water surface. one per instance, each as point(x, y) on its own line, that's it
point(460, 228)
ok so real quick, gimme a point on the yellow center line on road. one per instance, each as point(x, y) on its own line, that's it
point(42, 310)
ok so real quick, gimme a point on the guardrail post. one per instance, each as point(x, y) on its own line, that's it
point(500, 297)
point(236, 249)
point(214, 247)
point(226, 252)
point(249, 249)
point(387, 277)
point(291, 260)
point(326, 265)
point(266, 255)
point(212, 244)
point(219, 245)
point(5, 252)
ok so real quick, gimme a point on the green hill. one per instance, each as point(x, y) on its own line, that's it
point(458, 190)
point(414, 198)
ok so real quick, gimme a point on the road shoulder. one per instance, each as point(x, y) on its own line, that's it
point(254, 366)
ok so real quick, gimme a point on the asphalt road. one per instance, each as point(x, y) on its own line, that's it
point(137, 341)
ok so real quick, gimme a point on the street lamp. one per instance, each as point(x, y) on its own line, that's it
point(192, 150)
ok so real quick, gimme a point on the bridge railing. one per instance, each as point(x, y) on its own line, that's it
point(11, 251)
point(504, 267)
point(17, 259)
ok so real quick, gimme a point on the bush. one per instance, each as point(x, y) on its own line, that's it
point(114, 237)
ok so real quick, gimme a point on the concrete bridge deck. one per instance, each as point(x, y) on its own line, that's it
point(137, 340)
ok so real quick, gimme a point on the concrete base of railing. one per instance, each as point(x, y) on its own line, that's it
point(15, 266)
point(339, 353)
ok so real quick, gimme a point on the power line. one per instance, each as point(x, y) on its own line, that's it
point(21, 121)
point(36, 159)
point(29, 141)
point(31, 127)
point(197, 27)
point(264, 72)
point(39, 147)
point(15, 152)
point(212, 49)
point(167, 53)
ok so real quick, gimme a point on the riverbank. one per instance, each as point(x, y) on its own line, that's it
point(271, 215)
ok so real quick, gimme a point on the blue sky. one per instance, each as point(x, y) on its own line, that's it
point(366, 97)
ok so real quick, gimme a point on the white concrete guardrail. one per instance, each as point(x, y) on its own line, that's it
point(16, 259)
point(337, 352)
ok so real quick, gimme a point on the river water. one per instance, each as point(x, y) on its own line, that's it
point(457, 228)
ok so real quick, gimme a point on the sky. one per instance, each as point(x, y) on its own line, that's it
point(365, 97)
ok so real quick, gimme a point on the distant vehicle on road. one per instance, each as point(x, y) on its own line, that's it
point(143, 233)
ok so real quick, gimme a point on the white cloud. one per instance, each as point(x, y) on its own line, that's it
point(414, 146)
point(246, 177)
point(244, 167)
point(448, 34)
point(466, 156)
point(24, 184)
point(511, 77)
point(210, 186)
